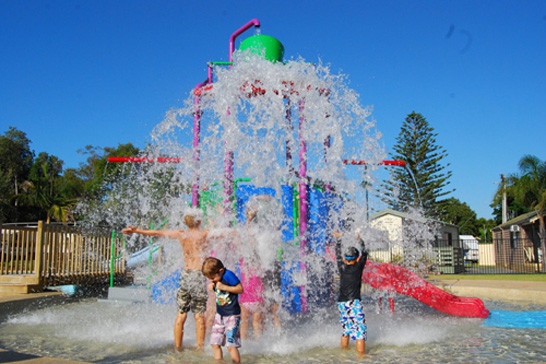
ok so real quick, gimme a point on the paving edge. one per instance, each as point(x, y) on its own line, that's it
point(496, 294)
point(19, 304)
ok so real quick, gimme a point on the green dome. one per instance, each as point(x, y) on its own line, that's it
point(264, 45)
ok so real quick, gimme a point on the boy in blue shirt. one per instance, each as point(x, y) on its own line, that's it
point(226, 326)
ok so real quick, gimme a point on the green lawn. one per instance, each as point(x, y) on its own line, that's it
point(493, 277)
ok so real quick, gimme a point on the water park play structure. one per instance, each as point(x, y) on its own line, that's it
point(310, 205)
point(111, 332)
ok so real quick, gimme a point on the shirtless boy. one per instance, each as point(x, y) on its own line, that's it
point(192, 291)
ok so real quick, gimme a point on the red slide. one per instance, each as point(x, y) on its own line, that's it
point(394, 278)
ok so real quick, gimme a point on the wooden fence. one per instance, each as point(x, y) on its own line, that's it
point(49, 255)
point(450, 260)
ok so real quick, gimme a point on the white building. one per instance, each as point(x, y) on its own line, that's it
point(397, 225)
point(470, 248)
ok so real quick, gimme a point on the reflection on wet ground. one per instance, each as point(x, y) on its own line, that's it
point(106, 332)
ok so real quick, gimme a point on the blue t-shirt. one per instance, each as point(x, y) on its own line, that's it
point(227, 303)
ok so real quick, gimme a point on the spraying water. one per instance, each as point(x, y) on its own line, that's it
point(272, 125)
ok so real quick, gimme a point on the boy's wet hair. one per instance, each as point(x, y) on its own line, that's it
point(351, 253)
point(192, 218)
point(211, 267)
point(348, 223)
point(191, 221)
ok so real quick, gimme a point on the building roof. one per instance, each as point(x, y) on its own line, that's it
point(405, 215)
point(523, 219)
point(469, 241)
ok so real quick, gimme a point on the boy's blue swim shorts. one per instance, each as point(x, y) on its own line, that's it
point(353, 320)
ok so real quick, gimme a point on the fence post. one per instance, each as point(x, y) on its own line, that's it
point(38, 253)
point(541, 215)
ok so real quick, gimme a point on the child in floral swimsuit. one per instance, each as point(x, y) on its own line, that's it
point(252, 300)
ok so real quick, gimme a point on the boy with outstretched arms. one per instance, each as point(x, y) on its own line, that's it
point(350, 265)
point(226, 327)
point(192, 292)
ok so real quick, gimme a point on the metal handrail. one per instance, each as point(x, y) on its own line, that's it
point(112, 257)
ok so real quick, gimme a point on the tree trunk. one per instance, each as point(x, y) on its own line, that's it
point(16, 187)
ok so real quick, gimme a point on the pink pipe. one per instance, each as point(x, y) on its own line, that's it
point(228, 182)
point(250, 24)
point(288, 118)
point(303, 201)
point(195, 145)
point(228, 158)
point(303, 180)
point(197, 138)
point(327, 145)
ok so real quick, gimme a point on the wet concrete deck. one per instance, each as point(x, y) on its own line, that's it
point(523, 292)
point(7, 356)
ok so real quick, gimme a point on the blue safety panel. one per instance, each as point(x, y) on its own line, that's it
point(318, 221)
point(287, 226)
point(164, 291)
point(244, 192)
point(320, 283)
point(320, 273)
point(516, 319)
point(291, 298)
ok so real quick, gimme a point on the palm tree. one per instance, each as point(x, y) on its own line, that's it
point(529, 190)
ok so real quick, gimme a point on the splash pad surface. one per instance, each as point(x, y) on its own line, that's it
point(106, 332)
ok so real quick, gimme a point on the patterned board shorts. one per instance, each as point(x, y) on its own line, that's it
point(353, 320)
point(226, 331)
point(192, 292)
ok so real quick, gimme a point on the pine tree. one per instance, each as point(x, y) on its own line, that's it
point(425, 178)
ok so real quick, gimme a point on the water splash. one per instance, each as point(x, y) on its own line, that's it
point(260, 111)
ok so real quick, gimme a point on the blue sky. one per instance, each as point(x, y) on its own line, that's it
point(76, 73)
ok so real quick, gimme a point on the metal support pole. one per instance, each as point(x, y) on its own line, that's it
point(303, 200)
point(196, 152)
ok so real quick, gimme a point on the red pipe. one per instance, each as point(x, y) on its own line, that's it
point(177, 160)
point(142, 159)
point(383, 163)
point(391, 304)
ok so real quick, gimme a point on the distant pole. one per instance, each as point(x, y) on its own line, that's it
point(365, 183)
point(365, 186)
point(504, 200)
